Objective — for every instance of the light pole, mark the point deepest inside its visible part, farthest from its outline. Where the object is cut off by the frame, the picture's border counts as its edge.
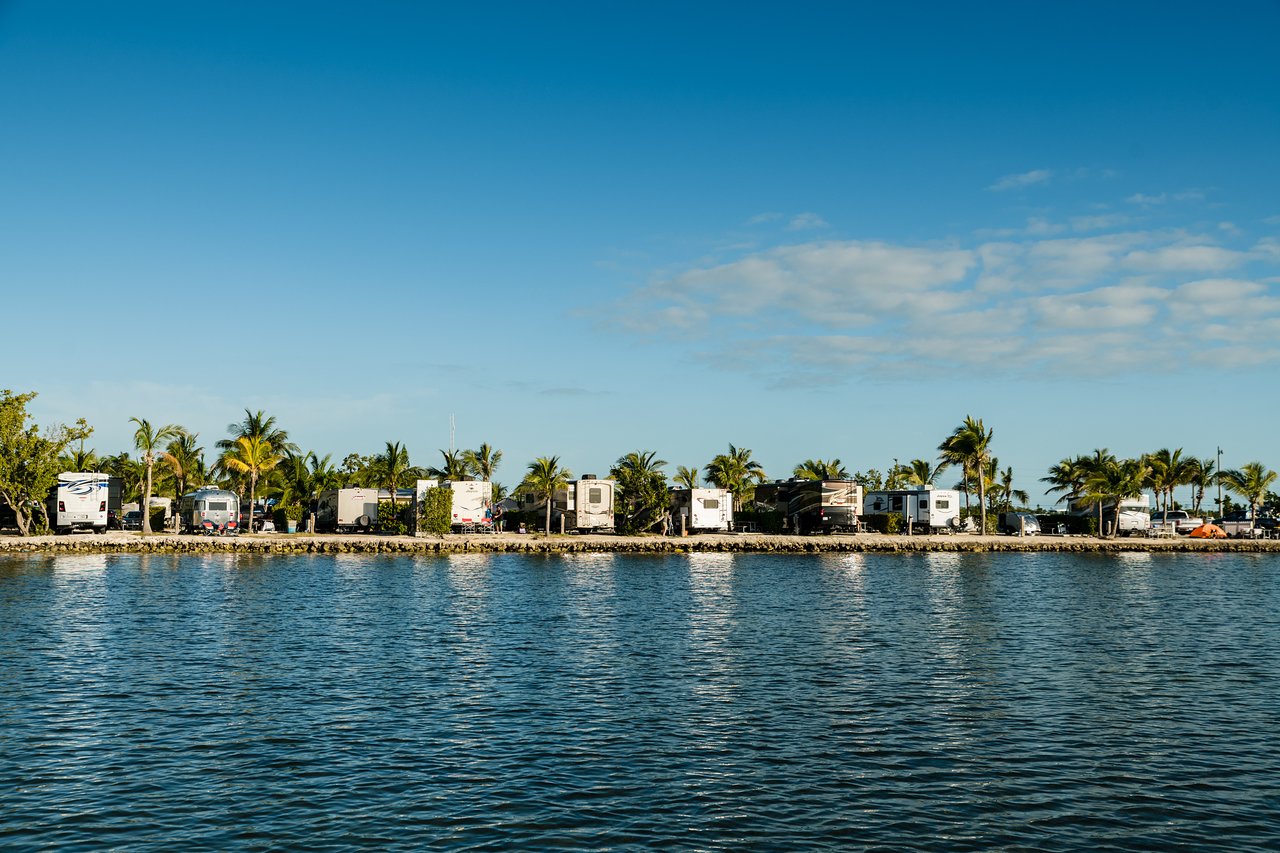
(1220, 512)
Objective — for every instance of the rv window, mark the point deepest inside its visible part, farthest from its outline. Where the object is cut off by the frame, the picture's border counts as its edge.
(217, 505)
(942, 503)
(199, 505)
(593, 496)
(895, 503)
(711, 503)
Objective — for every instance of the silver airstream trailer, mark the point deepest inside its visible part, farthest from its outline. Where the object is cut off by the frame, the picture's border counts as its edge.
(210, 511)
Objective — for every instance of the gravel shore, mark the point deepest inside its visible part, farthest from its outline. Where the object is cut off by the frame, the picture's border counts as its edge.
(269, 543)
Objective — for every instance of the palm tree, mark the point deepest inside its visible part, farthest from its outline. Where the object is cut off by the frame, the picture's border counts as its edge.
(735, 472)
(298, 484)
(393, 468)
(1112, 481)
(1204, 473)
(1010, 493)
(482, 462)
(1169, 469)
(642, 488)
(261, 426)
(1252, 482)
(454, 468)
(183, 456)
(818, 469)
(147, 438)
(252, 456)
(545, 477)
(921, 473)
(1068, 477)
(686, 478)
(80, 460)
(969, 446)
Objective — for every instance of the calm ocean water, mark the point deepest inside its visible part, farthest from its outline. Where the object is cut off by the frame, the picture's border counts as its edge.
(702, 702)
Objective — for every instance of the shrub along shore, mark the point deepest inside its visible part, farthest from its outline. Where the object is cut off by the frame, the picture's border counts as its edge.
(134, 543)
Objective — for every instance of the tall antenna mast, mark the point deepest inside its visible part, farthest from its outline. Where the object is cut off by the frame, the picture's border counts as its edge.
(451, 433)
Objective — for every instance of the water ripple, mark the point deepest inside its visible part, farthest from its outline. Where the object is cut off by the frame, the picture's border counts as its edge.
(699, 702)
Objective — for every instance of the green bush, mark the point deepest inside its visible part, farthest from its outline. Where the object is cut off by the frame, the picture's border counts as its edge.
(391, 516)
(435, 514)
(880, 522)
(284, 514)
(157, 518)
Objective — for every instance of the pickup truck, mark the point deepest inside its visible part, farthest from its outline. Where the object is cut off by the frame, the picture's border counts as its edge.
(1179, 520)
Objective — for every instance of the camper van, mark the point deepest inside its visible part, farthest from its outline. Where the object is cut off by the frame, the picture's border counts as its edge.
(813, 506)
(585, 504)
(209, 510)
(345, 510)
(702, 510)
(923, 509)
(79, 502)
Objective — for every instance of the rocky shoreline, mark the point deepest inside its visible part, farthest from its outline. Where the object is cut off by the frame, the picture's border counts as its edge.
(135, 543)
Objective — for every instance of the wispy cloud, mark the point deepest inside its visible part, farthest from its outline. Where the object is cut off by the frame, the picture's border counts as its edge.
(1021, 180)
(806, 221)
(1045, 302)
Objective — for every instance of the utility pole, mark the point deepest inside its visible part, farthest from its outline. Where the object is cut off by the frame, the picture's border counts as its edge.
(1220, 512)
(451, 435)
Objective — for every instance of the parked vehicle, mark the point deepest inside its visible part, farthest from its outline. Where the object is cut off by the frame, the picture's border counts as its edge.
(923, 510)
(1178, 520)
(132, 520)
(813, 506)
(586, 504)
(1018, 523)
(213, 511)
(347, 510)
(79, 502)
(1130, 516)
(705, 510)
(1240, 523)
(472, 503)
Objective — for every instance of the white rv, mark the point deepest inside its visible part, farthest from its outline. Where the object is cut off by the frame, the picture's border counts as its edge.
(343, 510)
(79, 501)
(472, 503)
(585, 504)
(1131, 515)
(922, 509)
(701, 510)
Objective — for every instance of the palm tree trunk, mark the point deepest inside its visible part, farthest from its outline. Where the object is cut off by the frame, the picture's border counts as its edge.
(146, 500)
(253, 486)
(548, 529)
(982, 498)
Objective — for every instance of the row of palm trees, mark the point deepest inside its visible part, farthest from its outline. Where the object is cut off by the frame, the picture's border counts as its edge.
(1102, 478)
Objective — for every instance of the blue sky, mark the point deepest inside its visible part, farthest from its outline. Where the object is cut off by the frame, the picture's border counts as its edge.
(819, 230)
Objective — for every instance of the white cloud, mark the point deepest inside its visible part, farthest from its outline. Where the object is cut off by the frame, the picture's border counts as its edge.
(805, 221)
(1021, 180)
(1031, 304)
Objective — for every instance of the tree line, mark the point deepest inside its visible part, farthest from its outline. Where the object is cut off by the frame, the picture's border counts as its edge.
(257, 459)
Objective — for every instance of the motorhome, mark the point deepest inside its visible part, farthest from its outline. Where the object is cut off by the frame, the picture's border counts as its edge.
(79, 502)
(923, 509)
(346, 510)
(585, 504)
(813, 506)
(218, 508)
(1130, 516)
(702, 510)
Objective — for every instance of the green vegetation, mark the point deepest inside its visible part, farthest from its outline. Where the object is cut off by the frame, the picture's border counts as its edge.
(29, 459)
(147, 438)
(545, 476)
(391, 517)
(642, 501)
(737, 473)
(434, 514)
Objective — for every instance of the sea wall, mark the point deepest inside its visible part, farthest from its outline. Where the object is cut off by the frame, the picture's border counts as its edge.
(133, 543)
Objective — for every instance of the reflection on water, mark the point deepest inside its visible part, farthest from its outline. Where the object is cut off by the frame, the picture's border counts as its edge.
(701, 701)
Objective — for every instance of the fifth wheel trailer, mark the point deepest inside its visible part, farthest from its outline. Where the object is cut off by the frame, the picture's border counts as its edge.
(342, 510)
(813, 506)
(702, 510)
(585, 504)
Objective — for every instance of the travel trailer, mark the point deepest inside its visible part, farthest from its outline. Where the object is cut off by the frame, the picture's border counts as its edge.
(923, 509)
(79, 502)
(701, 510)
(472, 503)
(210, 510)
(585, 504)
(813, 506)
(345, 510)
